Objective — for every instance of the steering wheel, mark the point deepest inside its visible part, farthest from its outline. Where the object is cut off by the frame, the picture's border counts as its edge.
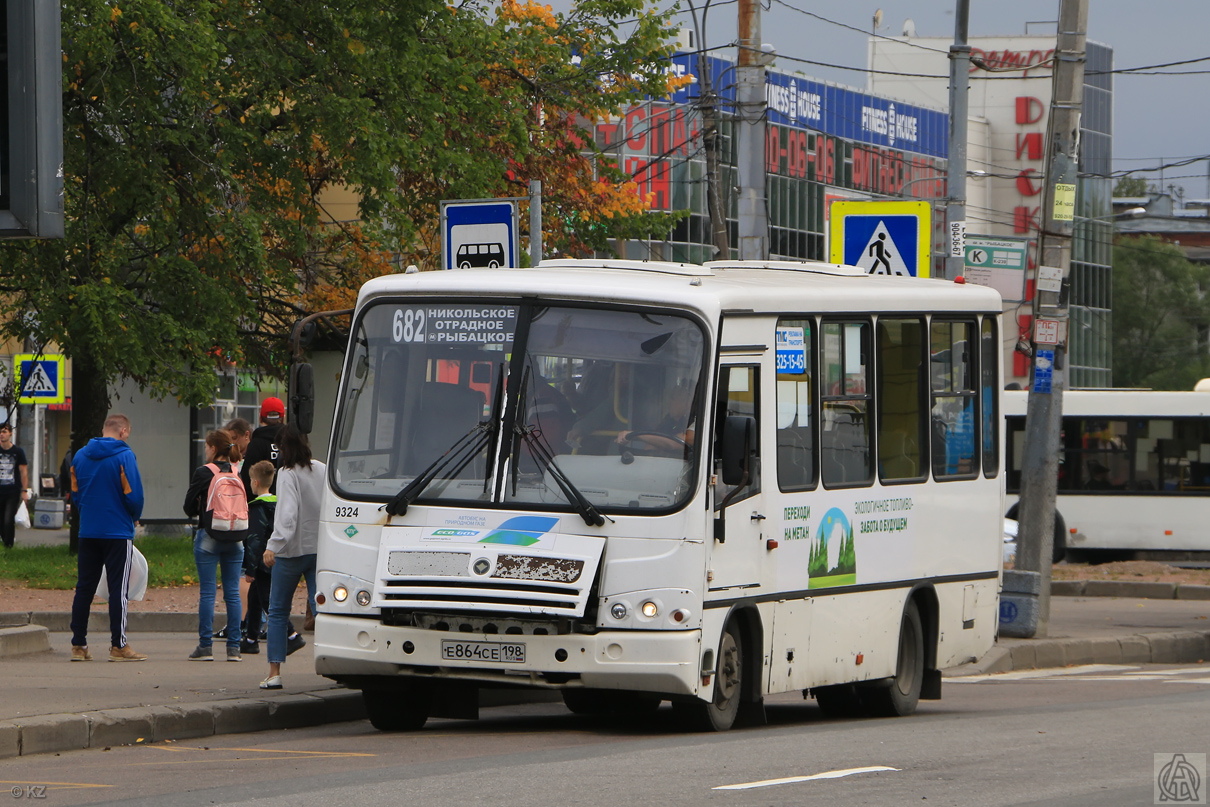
(628, 455)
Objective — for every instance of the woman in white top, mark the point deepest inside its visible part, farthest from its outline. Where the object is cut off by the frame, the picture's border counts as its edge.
(290, 554)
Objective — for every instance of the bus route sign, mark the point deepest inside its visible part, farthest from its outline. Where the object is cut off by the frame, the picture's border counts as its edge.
(479, 234)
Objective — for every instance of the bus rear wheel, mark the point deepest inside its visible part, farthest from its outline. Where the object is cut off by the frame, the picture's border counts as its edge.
(719, 713)
(899, 696)
(396, 709)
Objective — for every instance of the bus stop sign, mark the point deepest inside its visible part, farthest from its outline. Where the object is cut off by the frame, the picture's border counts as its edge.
(479, 233)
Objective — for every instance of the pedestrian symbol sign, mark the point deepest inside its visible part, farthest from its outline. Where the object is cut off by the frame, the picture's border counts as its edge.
(39, 379)
(884, 238)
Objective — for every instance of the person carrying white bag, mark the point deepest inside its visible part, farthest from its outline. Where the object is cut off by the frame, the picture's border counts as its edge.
(137, 581)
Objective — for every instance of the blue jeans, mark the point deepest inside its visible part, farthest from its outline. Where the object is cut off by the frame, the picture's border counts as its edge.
(286, 574)
(209, 554)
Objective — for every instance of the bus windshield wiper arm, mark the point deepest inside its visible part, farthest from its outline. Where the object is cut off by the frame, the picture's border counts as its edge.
(591, 515)
(461, 452)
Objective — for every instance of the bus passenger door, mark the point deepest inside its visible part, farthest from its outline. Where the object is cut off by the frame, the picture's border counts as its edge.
(739, 510)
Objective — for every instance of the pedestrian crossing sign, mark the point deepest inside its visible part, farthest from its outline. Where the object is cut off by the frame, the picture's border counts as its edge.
(884, 238)
(39, 379)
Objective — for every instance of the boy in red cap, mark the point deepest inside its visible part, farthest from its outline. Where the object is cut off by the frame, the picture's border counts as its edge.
(263, 445)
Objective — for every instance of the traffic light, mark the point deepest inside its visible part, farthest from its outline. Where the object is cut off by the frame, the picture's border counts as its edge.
(31, 120)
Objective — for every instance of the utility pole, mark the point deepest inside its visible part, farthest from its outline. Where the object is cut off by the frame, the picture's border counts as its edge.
(1044, 413)
(750, 139)
(716, 203)
(955, 209)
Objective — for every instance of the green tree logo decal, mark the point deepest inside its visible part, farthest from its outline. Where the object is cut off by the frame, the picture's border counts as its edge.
(821, 570)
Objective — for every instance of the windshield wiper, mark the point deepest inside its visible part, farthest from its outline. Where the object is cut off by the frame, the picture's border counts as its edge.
(591, 515)
(460, 454)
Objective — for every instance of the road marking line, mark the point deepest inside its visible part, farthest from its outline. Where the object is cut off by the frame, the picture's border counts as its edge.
(288, 755)
(792, 779)
(1049, 672)
(55, 785)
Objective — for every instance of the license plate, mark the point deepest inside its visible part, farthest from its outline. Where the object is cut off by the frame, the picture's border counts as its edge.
(497, 652)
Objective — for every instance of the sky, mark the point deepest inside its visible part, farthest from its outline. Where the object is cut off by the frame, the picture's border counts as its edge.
(1158, 119)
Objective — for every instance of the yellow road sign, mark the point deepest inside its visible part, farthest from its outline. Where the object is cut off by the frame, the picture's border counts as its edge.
(884, 238)
(39, 378)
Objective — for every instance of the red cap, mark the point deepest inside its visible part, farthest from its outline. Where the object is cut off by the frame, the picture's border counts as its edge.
(272, 409)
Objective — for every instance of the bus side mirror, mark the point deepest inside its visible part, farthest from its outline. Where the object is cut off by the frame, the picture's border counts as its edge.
(738, 438)
(302, 396)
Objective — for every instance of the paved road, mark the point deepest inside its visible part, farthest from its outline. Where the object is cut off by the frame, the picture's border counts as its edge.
(1082, 738)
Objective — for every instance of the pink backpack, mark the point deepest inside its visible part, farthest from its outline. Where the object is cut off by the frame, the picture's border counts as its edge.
(226, 506)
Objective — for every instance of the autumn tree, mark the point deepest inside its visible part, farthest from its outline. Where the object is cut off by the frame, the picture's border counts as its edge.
(1161, 314)
(200, 140)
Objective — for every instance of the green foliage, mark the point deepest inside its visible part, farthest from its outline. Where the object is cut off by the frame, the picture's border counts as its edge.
(169, 563)
(1130, 186)
(1161, 315)
(200, 137)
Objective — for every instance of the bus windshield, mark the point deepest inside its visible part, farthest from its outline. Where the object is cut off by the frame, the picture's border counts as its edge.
(521, 405)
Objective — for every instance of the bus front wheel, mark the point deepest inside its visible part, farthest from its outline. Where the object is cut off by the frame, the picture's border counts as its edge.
(899, 696)
(719, 713)
(395, 710)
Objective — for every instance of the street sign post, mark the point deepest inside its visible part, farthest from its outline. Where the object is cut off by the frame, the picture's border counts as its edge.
(884, 238)
(39, 379)
(479, 233)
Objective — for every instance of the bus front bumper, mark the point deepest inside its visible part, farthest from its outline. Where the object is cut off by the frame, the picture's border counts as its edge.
(667, 662)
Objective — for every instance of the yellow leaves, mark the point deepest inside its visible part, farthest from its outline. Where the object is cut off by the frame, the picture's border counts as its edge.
(114, 13)
(141, 229)
(134, 26)
(356, 47)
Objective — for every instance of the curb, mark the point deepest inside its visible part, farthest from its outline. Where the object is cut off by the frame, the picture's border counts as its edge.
(1178, 647)
(20, 640)
(98, 621)
(44, 734)
(1129, 588)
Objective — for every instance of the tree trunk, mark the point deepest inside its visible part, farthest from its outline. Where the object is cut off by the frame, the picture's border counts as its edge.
(89, 408)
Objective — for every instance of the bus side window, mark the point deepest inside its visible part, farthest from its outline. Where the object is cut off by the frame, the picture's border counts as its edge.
(796, 467)
(952, 359)
(902, 425)
(845, 405)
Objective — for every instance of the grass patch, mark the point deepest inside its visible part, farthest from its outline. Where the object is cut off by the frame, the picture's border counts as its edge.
(169, 563)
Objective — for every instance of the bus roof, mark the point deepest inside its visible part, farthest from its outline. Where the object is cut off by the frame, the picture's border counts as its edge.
(757, 286)
(1120, 403)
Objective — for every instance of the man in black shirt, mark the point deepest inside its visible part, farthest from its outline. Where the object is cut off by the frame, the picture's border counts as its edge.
(263, 445)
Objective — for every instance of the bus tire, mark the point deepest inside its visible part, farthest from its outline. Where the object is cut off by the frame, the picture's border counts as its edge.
(395, 709)
(1059, 545)
(839, 700)
(900, 695)
(719, 713)
(587, 701)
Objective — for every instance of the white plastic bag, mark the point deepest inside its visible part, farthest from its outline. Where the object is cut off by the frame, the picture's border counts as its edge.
(138, 578)
(22, 519)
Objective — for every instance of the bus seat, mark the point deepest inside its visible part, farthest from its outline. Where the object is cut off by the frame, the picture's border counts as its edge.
(445, 412)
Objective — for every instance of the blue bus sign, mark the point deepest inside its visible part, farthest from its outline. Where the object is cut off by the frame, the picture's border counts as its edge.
(479, 234)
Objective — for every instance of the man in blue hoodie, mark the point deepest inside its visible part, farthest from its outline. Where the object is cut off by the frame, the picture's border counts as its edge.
(108, 492)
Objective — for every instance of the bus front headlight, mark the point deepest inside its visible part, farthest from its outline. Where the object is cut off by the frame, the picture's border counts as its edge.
(340, 594)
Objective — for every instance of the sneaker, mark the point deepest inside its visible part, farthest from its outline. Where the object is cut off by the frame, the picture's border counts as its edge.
(233, 654)
(295, 643)
(221, 633)
(250, 647)
(264, 634)
(125, 654)
(202, 653)
(80, 653)
(272, 682)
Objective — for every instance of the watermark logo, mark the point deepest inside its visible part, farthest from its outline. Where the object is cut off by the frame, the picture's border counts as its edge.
(1180, 779)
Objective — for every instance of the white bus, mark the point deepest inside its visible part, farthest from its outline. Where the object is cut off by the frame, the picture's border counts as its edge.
(1134, 473)
(639, 482)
